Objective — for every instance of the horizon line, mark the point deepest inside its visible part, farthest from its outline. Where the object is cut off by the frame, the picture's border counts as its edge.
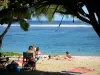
(54, 25)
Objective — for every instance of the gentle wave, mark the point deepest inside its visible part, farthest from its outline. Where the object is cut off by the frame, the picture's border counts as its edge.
(54, 25)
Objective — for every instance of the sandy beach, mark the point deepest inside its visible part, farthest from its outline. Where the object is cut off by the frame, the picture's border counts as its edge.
(54, 65)
(92, 62)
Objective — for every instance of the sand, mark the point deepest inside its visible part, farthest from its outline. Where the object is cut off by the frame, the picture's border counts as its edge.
(53, 65)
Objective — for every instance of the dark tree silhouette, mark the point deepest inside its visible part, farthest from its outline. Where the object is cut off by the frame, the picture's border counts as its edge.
(14, 11)
(21, 10)
(75, 8)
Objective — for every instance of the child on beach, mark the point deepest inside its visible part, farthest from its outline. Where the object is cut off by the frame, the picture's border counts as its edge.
(37, 53)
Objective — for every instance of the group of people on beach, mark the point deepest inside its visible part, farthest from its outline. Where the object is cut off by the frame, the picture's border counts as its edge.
(36, 55)
(36, 52)
(15, 65)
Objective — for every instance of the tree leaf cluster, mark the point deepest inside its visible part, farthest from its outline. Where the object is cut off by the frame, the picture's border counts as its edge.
(24, 25)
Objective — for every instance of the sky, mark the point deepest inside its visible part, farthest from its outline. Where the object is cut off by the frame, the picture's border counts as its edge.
(57, 17)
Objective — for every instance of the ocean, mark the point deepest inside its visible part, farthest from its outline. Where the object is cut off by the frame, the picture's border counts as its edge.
(79, 40)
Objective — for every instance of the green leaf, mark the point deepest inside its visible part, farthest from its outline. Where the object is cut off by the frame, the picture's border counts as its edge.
(4, 21)
(27, 13)
(3, 4)
(1, 22)
(24, 25)
(50, 12)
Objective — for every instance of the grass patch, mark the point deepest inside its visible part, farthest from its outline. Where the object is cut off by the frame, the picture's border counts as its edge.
(10, 53)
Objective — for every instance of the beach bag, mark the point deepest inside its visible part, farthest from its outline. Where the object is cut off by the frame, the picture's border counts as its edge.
(13, 67)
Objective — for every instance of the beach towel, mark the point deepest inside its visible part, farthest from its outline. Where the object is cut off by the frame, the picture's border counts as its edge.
(78, 70)
(70, 72)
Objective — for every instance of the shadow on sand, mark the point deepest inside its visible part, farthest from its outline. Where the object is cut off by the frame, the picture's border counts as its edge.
(5, 72)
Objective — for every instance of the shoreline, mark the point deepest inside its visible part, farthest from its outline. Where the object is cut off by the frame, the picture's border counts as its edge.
(52, 54)
(57, 57)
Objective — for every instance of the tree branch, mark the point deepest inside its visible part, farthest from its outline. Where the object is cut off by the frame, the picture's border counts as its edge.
(83, 19)
(77, 15)
(6, 30)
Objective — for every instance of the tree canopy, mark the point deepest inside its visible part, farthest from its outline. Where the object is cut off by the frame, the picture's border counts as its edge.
(75, 8)
(22, 10)
(14, 11)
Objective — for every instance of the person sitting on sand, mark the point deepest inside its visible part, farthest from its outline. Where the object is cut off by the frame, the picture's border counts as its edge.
(37, 53)
(68, 55)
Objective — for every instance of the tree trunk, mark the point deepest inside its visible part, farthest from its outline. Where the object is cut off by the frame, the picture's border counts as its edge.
(96, 27)
(0, 43)
(94, 22)
(92, 17)
(3, 34)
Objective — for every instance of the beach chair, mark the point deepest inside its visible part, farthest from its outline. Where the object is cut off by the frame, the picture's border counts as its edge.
(29, 62)
(3, 61)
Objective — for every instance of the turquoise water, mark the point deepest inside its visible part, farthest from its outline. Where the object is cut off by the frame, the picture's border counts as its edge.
(53, 40)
